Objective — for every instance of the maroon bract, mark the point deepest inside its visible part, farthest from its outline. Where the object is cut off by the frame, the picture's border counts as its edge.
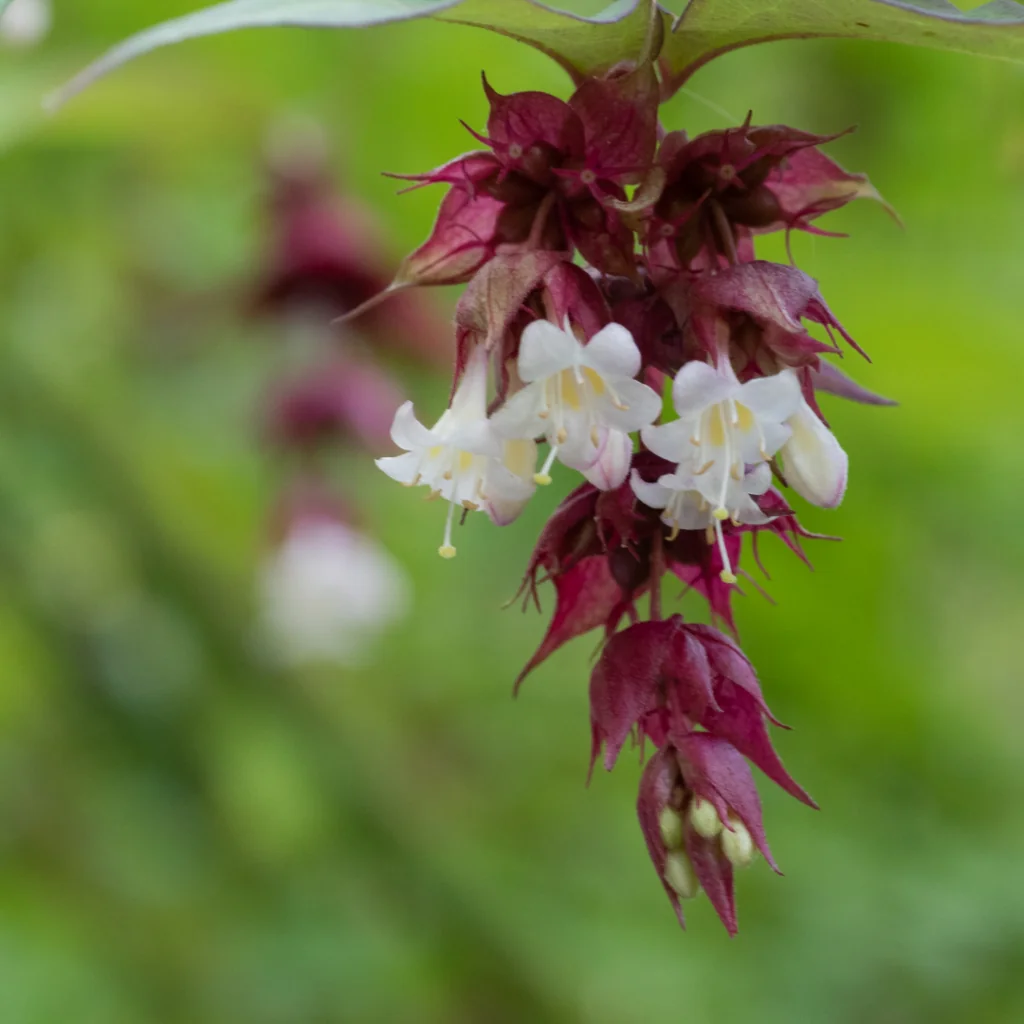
(343, 401)
(722, 187)
(326, 258)
(700, 815)
(551, 179)
(763, 306)
(663, 679)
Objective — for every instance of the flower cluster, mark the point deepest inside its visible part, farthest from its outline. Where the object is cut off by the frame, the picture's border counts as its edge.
(606, 260)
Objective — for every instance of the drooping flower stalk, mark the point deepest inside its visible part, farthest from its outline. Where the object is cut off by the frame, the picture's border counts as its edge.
(670, 290)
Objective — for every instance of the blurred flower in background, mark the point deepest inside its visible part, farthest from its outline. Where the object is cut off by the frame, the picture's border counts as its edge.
(329, 590)
(26, 22)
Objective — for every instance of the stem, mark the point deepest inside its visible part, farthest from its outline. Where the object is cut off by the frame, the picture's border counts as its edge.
(657, 571)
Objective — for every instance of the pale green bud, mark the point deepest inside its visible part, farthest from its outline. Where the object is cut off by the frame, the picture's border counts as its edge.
(738, 845)
(680, 875)
(705, 819)
(671, 828)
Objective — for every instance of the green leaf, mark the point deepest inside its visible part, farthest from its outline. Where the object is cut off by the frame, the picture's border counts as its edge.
(708, 28)
(583, 46)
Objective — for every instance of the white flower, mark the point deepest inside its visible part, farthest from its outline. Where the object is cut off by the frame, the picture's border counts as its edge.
(582, 398)
(461, 459)
(328, 592)
(814, 463)
(724, 429)
(686, 508)
(26, 22)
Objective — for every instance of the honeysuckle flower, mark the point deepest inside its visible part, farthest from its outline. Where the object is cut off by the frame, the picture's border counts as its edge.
(724, 427)
(582, 397)
(327, 593)
(686, 507)
(816, 466)
(461, 459)
(725, 434)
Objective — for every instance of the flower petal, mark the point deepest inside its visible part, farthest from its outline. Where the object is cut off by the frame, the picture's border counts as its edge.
(772, 398)
(612, 465)
(759, 479)
(612, 352)
(520, 416)
(670, 440)
(407, 431)
(815, 465)
(654, 495)
(403, 468)
(637, 406)
(698, 385)
(470, 398)
(475, 437)
(546, 349)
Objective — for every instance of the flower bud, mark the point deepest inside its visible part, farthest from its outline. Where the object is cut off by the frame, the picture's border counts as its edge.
(737, 843)
(815, 464)
(679, 874)
(705, 819)
(671, 825)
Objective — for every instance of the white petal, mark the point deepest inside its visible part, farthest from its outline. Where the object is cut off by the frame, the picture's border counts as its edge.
(475, 437)
(407, 431)
(772, 398)
(470, 399)
(775, 436)
(670, 440)
(612, 465)
(652, 495)
(520, 458)
(759, 479)
(815, 465)
(612, 352)
(506, 492)
(642, 406)
(520, 416)
(403, 468)
(698, 385)
(545, 349)
(746, 510)
(691, 514)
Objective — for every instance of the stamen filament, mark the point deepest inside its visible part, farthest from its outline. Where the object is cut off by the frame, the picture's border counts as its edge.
(726, 575)
(447, 549)
(543, 478)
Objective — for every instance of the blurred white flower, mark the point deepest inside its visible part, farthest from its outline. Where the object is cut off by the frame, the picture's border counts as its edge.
(328, 593)
(26, 22)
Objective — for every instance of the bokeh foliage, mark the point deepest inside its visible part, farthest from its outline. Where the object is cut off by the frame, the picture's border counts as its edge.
(187, 836)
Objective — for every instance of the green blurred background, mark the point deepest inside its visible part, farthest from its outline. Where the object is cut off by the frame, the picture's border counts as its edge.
(187, 836)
